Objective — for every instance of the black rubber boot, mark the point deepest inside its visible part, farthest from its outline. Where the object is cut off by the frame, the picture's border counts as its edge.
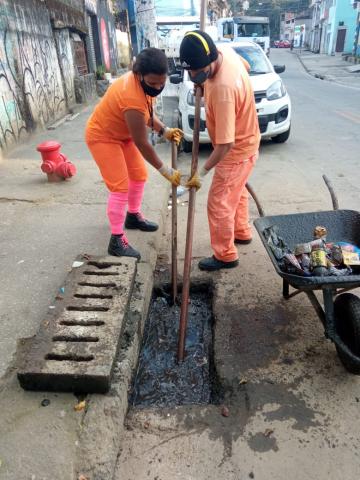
(211, 264)
(119, 247)
(136, 221)
(243, 242)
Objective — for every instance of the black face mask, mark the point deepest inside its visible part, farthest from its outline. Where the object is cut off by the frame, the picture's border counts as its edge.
(151, 91)
(200, 77)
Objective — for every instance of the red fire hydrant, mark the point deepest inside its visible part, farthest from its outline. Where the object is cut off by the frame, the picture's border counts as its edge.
(55, 164)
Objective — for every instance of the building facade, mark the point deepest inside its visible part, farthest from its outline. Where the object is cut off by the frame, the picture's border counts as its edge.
(48, 58)
(334, 26)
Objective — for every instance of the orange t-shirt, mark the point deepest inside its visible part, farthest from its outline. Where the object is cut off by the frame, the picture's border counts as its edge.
(107, 123)
(231, 115)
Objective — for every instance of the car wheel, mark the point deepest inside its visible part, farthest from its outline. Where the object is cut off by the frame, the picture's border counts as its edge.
(186, 146)
(282, 138)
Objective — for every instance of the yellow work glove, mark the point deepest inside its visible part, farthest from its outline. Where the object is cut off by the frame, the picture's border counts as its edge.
(173, 176)
(173, 135)
(196, 180)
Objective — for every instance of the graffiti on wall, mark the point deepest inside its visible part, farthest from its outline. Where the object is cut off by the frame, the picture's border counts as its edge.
(105, 44)
(91, 6)
(107, 36)
(146, 24)
(31, 91)
(65, 56)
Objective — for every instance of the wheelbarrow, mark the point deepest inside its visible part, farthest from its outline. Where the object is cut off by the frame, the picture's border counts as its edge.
(340, 314)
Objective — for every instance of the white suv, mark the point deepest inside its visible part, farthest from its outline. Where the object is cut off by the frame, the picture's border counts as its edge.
(272, 100)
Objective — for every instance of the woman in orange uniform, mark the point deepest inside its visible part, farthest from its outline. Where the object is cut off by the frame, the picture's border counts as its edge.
(117, 137)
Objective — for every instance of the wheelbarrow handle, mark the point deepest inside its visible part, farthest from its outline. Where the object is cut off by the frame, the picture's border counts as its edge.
(261, 210)
(332, 193)
(256, 200)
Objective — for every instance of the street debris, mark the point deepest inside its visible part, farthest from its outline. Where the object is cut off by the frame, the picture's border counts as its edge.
(251, 475)
(268, 432)
(314, 258)
(80, 406)
(243, 381)
(77, 264)
(45, 402)
(146, 425)
(225, 411)
(86, 256)
(20, 261)
(83, 477)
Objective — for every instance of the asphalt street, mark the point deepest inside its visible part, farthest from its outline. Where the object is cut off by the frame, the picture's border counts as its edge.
(292, 406)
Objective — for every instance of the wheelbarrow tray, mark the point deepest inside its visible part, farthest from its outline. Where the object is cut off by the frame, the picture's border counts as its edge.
(341, 225)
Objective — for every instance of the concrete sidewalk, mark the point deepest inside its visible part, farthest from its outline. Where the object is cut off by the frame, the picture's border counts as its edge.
(331, 68)
(44, 227)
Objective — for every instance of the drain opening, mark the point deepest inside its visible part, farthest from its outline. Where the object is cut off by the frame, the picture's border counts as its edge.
(67, 338)
(92, 295)
(97, 285)
(160, 381)
(84, 323)
(90, 308)
(100, 274)
(66, 357)
(101, 265)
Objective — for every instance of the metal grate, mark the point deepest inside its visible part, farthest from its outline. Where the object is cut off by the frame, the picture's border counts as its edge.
(76, 345)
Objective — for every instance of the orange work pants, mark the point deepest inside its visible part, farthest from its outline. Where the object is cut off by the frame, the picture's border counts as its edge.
(228, 209)
(119, 162)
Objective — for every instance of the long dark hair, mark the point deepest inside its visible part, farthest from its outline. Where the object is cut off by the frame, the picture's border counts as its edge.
(151, 60)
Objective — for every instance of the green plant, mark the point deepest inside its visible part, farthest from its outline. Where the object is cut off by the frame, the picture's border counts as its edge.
(100, 72)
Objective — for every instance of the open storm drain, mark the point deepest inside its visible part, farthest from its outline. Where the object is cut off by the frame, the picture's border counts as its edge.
(160, 380)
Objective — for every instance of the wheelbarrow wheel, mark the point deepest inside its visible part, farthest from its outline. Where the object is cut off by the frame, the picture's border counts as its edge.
(347, 322)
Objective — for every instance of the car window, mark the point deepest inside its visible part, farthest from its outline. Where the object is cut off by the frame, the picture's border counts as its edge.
(255, 57)
(253, 30)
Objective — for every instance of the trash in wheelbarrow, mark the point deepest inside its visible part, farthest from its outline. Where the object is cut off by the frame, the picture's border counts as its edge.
(315, 257)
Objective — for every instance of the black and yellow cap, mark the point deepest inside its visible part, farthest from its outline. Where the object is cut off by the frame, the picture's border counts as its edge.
(197, 50)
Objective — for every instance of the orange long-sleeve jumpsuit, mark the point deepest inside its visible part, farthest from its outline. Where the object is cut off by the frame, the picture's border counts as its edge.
(231, 117)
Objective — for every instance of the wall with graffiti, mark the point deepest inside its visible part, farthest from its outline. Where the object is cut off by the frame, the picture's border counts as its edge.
(107, 34)
(66, 61)
(32, 92)
(146, 24)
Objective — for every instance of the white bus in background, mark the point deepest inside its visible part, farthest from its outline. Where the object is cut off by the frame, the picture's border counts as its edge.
(255, 29)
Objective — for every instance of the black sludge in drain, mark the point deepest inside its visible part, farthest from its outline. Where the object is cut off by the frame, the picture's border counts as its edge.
(162, 382)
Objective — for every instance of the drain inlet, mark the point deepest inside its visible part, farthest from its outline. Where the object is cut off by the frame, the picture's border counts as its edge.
(65, 338)
(84, 323)
(101, 265)
(97, 285)
(91, 308)
(160, 381)
(67, 357)
(100, 274)
(93, 295)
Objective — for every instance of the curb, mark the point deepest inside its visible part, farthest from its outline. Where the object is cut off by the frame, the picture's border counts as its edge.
(100, 433)
(319, 76)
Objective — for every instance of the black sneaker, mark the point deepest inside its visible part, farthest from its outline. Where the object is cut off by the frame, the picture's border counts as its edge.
(211, 264)
(119, 247)
(136, 221)
(243, 242)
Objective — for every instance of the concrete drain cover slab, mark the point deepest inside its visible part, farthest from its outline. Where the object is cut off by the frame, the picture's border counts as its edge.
(77, 342)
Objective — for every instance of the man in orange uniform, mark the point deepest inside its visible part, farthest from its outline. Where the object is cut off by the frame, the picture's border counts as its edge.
(117, 137)
(232, 123)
